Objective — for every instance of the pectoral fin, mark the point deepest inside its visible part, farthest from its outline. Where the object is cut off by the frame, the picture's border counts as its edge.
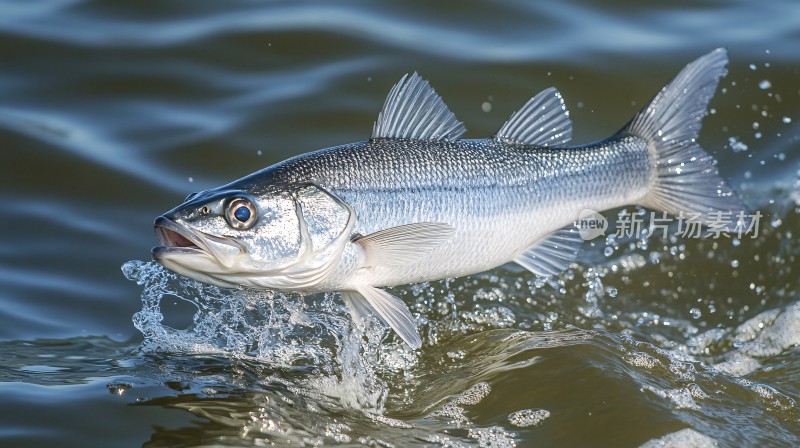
(553, 253)
(388, 307)
(403, 244)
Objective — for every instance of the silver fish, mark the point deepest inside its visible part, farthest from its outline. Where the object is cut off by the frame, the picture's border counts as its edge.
(416, 202)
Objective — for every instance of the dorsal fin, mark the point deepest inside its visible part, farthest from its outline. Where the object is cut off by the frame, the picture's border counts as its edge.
(414, 110)
(542, 121)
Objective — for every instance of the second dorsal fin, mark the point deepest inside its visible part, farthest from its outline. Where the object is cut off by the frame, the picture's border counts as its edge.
(542, 121)
(414, 110)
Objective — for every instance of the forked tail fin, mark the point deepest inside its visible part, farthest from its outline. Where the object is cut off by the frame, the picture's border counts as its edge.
(686, 176)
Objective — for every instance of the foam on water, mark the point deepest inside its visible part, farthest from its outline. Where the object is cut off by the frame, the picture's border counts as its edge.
(454, 410)
(681, 398)
(528, 417)
(685, 438)
(737, 351)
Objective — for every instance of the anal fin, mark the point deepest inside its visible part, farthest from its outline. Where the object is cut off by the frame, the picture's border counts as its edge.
(553, 253)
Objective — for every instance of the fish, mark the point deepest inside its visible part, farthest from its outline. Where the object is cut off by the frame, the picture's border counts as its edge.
(416, 202)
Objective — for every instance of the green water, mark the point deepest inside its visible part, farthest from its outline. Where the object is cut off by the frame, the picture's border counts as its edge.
(111, 113)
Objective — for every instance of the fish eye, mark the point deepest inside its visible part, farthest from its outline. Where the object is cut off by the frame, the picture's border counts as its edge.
(241, 213)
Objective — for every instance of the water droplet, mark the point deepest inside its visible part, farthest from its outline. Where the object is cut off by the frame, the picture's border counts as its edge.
(608, 251)
(191, 179)
(132, 269)
(655, 257)
(458, 354)
(486, 106)
(736, 144)
(764, 84)
(752, 66)
(786, 120)
(734, 263)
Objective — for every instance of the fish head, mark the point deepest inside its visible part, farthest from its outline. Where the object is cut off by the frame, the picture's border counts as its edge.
(286, 237)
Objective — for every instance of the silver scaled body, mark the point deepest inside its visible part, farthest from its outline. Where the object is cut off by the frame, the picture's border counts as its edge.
(417, 202)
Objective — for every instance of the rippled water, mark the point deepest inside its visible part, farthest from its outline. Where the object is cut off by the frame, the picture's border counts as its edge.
(112, 112)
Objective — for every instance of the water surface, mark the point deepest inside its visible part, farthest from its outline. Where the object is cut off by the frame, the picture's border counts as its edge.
(113, 112)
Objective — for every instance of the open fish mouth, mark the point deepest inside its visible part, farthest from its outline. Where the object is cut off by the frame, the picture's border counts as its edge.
(175, 238)
(178, 241)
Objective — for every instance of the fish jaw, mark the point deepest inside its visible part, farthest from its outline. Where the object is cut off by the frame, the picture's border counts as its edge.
(200, 257)
(225, 262)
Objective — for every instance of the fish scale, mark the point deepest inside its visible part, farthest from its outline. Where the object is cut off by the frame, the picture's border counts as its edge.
(417, 202)
(479, 186)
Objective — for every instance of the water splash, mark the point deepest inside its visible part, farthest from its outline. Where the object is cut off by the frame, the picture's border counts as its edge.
(278, 331)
